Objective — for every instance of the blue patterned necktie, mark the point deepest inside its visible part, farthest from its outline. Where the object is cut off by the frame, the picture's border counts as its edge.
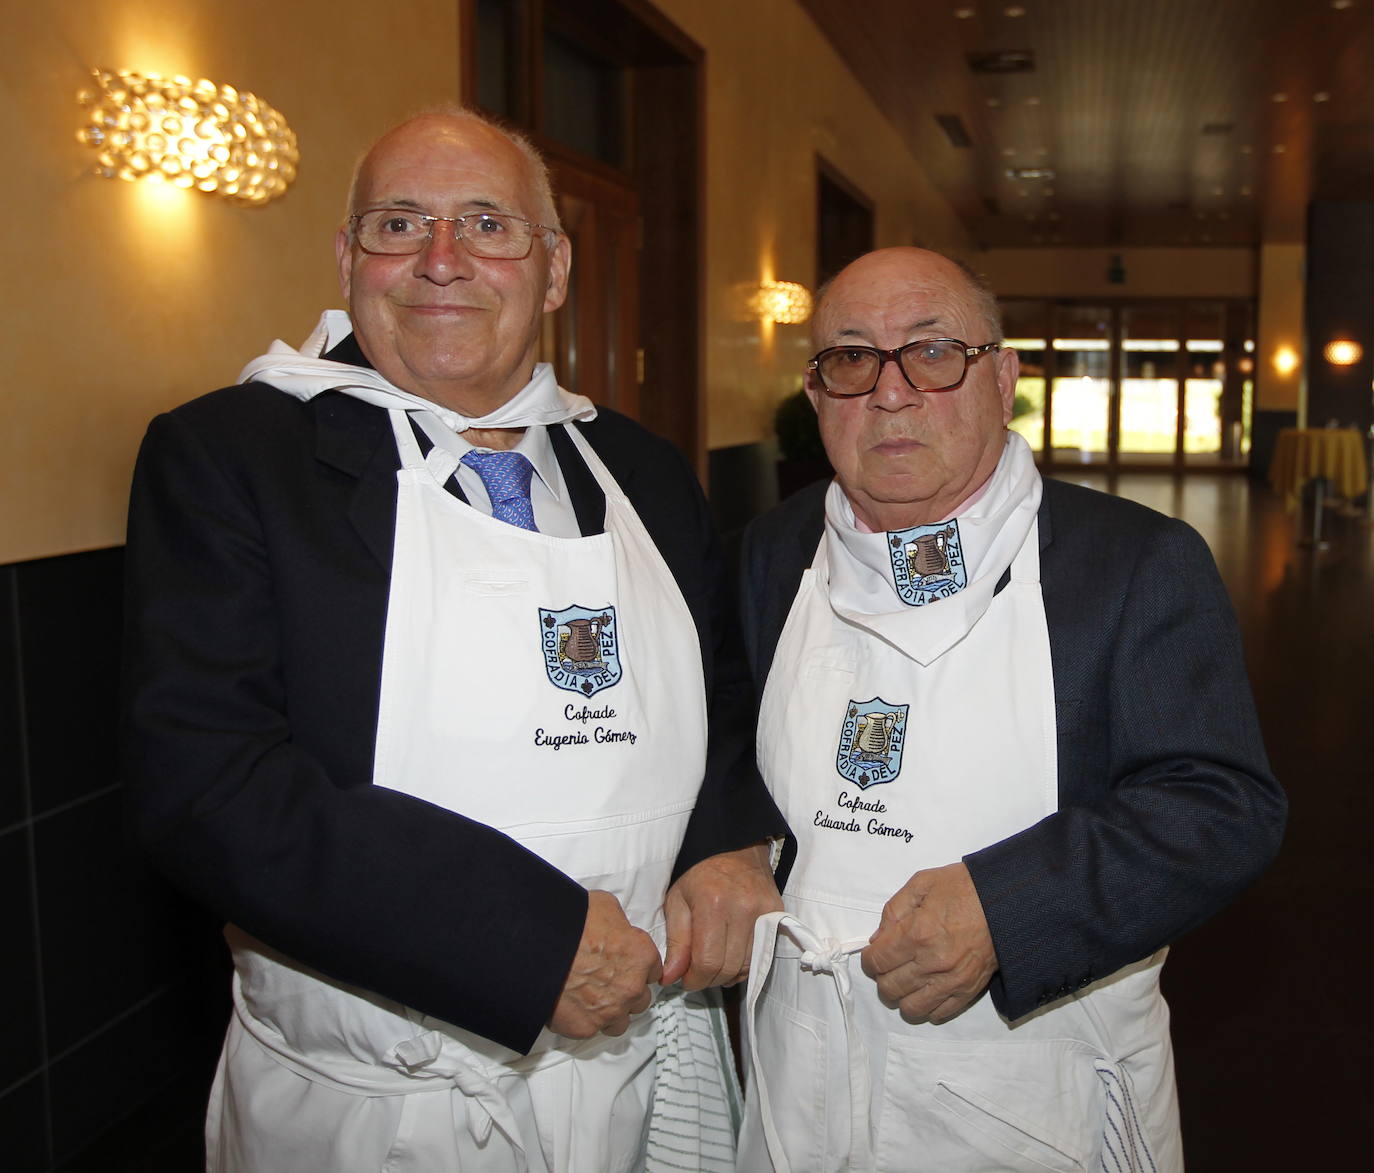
(506, 477)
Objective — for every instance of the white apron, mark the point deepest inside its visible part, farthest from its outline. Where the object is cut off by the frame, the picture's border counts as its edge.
(839, 1081)
(551, 688)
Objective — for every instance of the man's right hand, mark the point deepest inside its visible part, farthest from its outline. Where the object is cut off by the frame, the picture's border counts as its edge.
(610, 975)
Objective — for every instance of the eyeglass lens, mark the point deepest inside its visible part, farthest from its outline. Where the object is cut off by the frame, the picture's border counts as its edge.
(398, 231)
(931, 365)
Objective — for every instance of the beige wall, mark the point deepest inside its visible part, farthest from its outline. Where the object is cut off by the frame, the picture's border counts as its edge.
(776, 96)
(1150, 272)
(118, 303)
(1282, 286)
(123, 301)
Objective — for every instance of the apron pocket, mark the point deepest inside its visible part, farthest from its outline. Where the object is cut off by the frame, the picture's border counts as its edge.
(792, 1046)
(990, 1107)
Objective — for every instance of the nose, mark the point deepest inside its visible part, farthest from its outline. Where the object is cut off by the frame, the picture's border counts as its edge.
(893, 392)
(443, 258)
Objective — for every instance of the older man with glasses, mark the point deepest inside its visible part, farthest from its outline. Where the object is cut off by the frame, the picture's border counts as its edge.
(430, 697)
(1009, 722)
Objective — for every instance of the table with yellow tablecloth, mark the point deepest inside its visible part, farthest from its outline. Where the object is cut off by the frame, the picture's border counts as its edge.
(1335, 454)
(1329, 456)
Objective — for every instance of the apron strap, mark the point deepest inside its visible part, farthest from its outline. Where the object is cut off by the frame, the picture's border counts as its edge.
(821, 955)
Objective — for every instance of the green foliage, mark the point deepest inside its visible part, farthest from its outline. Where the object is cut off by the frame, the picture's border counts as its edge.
(799, 435)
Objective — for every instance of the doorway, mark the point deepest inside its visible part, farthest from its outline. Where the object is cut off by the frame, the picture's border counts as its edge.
(610, 93)
(1158, 384)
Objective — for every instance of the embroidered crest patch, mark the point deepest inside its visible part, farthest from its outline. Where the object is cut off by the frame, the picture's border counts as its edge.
(581, 650)
(927, 562)
(871, 741)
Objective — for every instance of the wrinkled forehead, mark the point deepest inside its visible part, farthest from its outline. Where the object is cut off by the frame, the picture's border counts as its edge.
(442, 161)
(890, 309)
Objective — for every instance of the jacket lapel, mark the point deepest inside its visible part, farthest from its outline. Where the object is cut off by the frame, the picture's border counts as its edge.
(355, 439)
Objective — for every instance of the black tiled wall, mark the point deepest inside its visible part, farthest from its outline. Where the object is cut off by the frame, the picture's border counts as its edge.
(115, 990)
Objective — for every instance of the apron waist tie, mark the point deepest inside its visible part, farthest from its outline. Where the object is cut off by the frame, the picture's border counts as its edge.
(477, 1103)
(820, 955)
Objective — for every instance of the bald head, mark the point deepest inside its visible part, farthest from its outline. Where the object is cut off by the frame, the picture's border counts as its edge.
(458, 119)
(906, 457)
(944, 268)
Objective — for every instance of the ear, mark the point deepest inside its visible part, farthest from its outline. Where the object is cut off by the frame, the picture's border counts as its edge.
(560, 265)
(1008, 371)
(343, 252)
(812, 386)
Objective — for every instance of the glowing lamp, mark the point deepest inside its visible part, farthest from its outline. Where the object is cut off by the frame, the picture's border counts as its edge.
(785, 302)
(1285, 360)
(1342, 352)
(191, 134)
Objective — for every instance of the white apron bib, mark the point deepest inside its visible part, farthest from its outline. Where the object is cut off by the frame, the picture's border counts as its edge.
(551, 688)
(886, 760)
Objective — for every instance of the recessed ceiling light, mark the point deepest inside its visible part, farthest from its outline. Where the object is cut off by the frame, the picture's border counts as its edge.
(1339, 5)
(1042, 150)
(1013, 10)
(965, 13)
(1218, 191)
(1279, 97)
(1321, 96)
(1279, 148)
(994, 102)
(1247, 149)
(1009, 151)
(1032, 101)
(1245, 191)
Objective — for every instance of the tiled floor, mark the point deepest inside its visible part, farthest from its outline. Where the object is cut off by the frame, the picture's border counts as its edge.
(1271, 1032)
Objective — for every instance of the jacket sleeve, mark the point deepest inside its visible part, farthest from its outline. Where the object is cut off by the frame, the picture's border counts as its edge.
(1168, 808)
(237, 805)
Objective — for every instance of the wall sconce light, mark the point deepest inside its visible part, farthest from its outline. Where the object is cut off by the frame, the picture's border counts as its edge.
(193, 134)
(1342, 352)
(785, 302)
(1285, 360)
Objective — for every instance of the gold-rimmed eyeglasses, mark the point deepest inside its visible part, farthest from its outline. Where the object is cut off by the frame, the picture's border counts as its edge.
(398, 232)
(928, 364)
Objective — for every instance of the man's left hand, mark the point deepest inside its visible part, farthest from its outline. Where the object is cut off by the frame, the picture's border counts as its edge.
(710, 914)
(932, 954)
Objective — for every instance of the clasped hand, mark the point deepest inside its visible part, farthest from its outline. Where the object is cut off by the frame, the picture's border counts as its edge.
(709, 912)
(932, 955)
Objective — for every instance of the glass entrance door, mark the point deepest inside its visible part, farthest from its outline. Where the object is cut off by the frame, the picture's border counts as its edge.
(1159, 384)
(1079, 409)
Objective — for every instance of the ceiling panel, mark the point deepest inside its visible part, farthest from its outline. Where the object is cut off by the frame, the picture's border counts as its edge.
(1164, 122)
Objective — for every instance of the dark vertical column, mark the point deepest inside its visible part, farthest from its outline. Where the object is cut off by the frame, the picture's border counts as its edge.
(1340, 304)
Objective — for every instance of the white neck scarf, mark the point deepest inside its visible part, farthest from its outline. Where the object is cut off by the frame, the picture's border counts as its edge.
(304, 374)
(863, 585)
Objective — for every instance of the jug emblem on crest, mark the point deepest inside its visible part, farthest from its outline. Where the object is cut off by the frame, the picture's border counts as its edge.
(581, 649)
(872, 737)
(927, 563)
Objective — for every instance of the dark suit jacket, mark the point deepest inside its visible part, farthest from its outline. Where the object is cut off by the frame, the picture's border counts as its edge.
(1167, 807)
(259, 553)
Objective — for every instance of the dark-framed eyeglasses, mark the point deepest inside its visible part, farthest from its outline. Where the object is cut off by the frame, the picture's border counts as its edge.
(398, 232)
(928, 364)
